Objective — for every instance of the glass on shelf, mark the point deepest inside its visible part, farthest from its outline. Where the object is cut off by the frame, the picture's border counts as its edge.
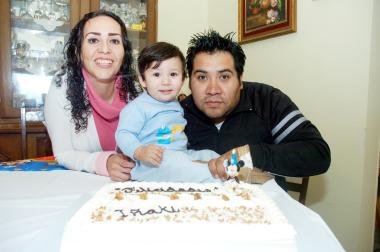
(132, 12)
(39, 30)
(40, 11)
(24, 10)
(21, 51)
(62, 12)
(45, 14)
(143, 14)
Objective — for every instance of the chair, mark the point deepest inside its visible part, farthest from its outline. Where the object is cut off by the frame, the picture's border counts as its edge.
(29, 113)
(377, 219)
(23, 132)
(300, 188)
(4, 157)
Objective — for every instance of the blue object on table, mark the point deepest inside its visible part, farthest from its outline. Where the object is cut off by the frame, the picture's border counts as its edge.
(31, 165)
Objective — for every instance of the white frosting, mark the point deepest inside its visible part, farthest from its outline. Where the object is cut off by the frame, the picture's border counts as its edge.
(192, 216)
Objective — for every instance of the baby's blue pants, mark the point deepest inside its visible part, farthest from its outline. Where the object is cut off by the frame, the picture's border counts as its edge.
(177, 166)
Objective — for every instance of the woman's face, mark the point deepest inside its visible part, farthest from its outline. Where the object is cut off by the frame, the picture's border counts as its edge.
(102, 49)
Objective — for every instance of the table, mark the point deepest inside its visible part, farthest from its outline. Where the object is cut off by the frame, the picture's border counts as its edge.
(35, 206)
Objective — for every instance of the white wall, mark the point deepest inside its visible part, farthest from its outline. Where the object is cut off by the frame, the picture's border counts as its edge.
(371, 144)
(329, 67)
(179, 20)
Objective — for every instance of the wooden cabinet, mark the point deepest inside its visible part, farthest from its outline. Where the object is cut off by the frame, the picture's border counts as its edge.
(33, 33)
(37, 142)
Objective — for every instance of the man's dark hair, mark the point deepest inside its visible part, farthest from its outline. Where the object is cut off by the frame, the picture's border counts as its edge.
(210, 42)
(156, 53)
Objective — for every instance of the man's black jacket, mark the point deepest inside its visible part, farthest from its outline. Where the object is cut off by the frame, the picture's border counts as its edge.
(282, 141)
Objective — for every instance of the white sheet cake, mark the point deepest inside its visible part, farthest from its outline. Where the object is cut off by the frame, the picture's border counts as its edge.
(179, 217)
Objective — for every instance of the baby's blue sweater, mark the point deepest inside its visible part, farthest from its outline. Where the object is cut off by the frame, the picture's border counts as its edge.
(146, 120)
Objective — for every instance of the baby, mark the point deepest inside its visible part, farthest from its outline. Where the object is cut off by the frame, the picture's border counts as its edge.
(151, 127)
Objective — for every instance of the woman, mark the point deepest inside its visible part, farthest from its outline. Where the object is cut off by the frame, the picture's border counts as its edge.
(83, 103)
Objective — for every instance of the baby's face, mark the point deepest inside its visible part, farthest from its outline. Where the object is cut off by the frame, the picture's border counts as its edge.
(164, 82)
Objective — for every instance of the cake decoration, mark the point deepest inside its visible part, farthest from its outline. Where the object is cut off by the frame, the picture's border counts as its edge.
(183, 202)
(148, 215)
(232, 167)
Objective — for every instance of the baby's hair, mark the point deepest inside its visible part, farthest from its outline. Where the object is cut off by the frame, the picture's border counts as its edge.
(156, 53)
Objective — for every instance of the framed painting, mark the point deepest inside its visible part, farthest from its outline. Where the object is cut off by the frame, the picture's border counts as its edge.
(262, 19)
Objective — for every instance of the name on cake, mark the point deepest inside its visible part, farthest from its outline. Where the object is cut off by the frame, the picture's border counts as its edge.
(140, 212)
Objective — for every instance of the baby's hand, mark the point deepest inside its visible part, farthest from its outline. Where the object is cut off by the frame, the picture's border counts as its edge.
(149, 153)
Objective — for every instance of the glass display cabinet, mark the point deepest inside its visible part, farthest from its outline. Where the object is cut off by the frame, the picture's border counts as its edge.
(39, 30)
(34, 33)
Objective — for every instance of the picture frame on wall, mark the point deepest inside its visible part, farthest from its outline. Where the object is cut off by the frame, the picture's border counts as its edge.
(262, 19)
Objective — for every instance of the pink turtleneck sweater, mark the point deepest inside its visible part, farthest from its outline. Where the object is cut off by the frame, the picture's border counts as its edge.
(106, 117)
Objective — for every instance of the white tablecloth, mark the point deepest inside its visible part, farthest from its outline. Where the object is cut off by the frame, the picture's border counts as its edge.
(34, 207)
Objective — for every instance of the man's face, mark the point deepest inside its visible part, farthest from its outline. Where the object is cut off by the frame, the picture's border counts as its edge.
(215, 85)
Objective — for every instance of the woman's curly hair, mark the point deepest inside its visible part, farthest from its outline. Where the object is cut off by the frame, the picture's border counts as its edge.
(72, 68)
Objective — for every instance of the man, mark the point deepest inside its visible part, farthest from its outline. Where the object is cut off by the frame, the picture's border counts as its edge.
(225, 112)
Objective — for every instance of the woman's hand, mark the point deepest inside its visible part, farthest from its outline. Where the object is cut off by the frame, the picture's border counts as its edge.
(150, 153)
(119, 167)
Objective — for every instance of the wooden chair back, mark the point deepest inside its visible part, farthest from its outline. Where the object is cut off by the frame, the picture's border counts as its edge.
(28, 114)
(23, 132)
(300, 188)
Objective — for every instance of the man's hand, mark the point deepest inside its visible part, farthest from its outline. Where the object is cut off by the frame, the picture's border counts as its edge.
(119, 167)
(217, 169)
(149, 153)
(216, 166)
